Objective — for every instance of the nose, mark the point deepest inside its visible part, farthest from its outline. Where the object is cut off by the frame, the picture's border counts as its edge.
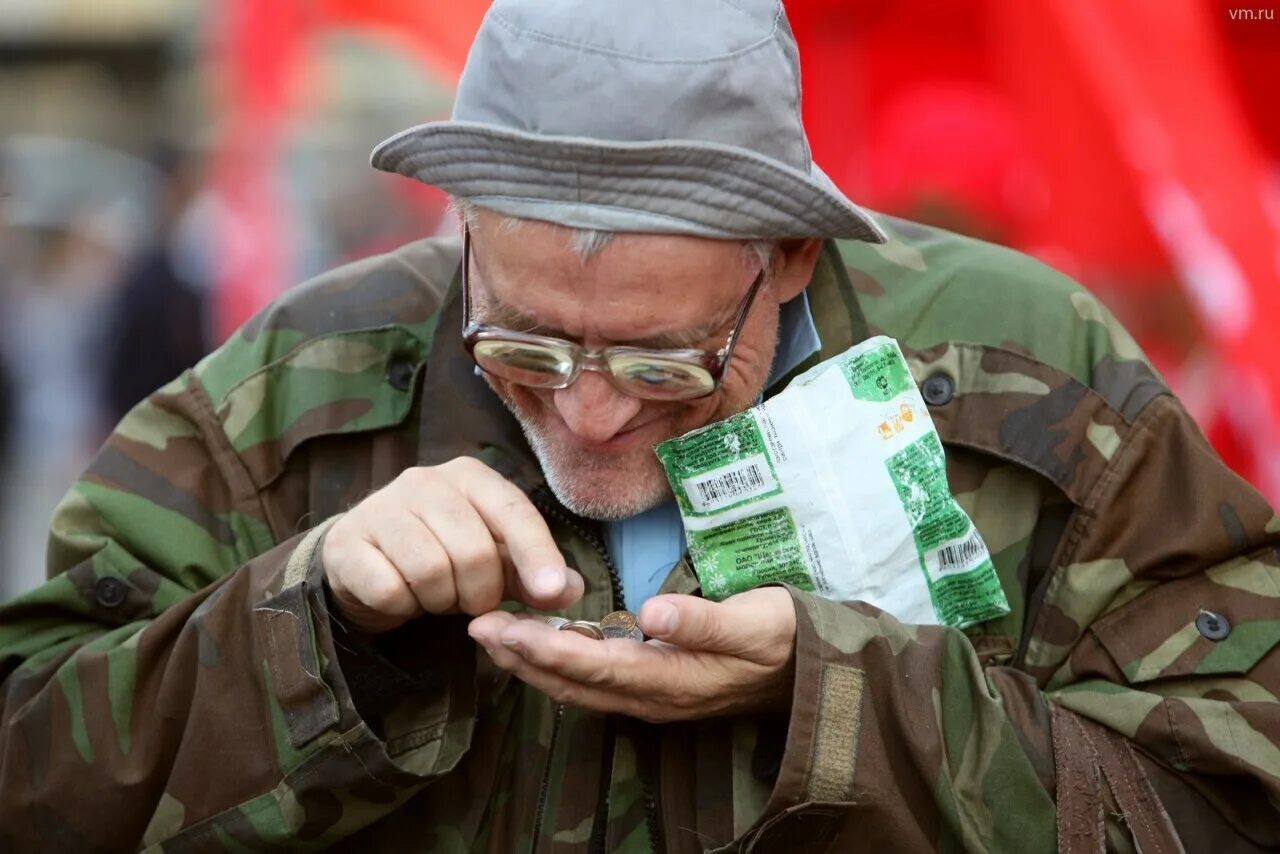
(593, 409)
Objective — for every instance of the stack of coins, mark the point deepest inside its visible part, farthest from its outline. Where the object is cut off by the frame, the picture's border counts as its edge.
(586, 628)
(619, 624)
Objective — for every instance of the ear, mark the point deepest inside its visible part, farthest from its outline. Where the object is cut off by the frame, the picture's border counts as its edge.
(793, 264)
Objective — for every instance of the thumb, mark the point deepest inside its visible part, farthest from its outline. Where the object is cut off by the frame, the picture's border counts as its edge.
(695, 624)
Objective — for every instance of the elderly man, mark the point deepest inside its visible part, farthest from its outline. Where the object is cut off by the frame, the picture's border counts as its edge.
(292, 600)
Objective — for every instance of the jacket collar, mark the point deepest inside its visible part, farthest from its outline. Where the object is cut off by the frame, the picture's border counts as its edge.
(461, 416)
(836, 314)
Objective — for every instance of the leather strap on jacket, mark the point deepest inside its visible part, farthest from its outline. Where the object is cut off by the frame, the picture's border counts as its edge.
(1080, 824)
(1086, 754)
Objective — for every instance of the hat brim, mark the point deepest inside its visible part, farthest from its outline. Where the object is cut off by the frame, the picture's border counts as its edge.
(669, 186)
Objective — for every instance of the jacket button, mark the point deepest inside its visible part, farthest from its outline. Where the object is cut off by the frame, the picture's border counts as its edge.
(1213, 626)
(400, 374)
(110, 592)
(938, 390)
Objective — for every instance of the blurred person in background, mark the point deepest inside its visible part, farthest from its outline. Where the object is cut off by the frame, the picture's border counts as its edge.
(6, 409)
(6, 382)
(278, 621)
(156, 325)
(75, 214)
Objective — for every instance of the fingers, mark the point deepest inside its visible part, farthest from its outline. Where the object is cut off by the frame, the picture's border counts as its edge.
(454, 537)
(650, 679)
(491, 630)
(758, 625)
(487, 629)
(373, 596)
(618, 665)
(693, 623)
(515, 589)
(411, 552)
(706, 658)
(470, 555)
(516, 523)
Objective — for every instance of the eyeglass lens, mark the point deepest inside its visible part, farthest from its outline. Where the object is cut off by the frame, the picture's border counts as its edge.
(649, 375)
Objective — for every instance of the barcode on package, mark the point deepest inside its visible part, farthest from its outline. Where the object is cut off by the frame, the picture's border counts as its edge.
(738, 481)
(959, 555)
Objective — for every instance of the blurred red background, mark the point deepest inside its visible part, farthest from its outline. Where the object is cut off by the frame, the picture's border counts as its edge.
(1132, 145)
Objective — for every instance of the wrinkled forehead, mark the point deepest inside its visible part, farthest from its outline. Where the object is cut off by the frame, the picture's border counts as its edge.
(635, 284)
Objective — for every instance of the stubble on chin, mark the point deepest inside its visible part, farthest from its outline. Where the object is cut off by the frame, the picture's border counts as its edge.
(605, 487)
(597, 486)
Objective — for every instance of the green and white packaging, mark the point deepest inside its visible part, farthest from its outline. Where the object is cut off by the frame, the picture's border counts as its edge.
(837, 485)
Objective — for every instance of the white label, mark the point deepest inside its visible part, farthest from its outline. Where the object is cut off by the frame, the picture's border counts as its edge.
(957, 556)
(745, 478)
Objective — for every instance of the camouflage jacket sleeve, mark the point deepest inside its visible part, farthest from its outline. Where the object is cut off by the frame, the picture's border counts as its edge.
(176, 681)
(916, 742)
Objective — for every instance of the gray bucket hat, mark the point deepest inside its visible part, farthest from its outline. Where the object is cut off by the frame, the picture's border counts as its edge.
(669, 116)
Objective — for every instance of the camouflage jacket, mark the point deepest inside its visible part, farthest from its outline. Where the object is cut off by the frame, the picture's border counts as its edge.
(178, 683)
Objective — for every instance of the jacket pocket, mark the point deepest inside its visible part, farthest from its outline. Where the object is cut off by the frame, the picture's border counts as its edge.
(1218, 623)
(342, 383)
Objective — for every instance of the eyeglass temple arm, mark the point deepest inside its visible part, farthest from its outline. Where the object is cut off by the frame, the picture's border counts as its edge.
(727, 350)
(466, 262)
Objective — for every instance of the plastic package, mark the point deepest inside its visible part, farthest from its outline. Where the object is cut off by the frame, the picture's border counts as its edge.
(836, 485)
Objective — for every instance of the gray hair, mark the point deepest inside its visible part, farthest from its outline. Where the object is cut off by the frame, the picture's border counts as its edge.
(587, 242)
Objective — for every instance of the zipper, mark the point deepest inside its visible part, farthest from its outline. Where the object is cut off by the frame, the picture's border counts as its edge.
(546, 778)
(545, 502)
(598, 842)
(649, 789)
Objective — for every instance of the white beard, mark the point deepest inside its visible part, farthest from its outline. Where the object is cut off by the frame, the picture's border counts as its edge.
(627, 495)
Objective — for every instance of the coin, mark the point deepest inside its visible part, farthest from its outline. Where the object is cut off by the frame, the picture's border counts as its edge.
(556, 622)
(624, 620)
(586, 628)
(621, 624)
(619, 633)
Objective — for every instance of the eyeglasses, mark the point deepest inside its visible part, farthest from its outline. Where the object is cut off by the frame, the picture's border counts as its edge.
(545, 362)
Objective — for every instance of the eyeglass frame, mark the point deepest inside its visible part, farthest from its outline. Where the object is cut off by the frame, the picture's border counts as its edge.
(714, 363)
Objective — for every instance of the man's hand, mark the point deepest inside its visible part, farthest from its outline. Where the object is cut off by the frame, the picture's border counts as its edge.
(438, 540)
(708, 658)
